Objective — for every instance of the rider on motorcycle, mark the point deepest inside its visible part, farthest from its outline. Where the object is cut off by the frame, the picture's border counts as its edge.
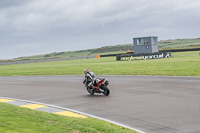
(89, 78)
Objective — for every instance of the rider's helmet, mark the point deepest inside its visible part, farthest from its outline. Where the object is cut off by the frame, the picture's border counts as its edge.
(86, 71)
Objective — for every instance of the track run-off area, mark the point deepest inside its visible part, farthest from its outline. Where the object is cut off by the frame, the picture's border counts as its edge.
(153, 104)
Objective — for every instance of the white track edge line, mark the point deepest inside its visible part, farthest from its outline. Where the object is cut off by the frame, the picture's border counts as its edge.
(75, 111)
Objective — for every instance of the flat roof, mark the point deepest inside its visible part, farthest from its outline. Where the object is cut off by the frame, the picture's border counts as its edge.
(145, 37)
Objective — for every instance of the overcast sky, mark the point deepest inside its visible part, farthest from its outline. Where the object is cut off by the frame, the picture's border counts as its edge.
(30, 27)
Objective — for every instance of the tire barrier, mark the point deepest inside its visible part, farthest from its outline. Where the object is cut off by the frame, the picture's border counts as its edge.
(171, 50)
(181, 50)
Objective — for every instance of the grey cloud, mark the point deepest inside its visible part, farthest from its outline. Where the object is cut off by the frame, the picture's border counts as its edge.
(77, 24)
(12, 3)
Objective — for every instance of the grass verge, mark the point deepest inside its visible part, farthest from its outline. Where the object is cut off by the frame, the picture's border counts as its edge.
(182, 64)
(14, 119)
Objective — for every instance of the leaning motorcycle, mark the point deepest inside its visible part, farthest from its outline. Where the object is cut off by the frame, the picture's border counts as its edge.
(99, 86)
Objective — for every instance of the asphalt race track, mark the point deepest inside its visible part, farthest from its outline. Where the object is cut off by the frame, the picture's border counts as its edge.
(154, 104)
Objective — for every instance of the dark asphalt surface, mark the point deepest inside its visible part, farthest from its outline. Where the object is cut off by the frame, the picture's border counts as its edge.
(154, 104)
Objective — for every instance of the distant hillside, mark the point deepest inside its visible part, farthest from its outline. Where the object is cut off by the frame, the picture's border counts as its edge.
(166, 44)
(179, 43)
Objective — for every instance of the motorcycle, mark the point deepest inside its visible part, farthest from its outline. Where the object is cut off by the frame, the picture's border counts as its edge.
(99, 86)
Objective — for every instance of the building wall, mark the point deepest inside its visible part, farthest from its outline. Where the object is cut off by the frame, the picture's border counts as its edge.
(145, 44)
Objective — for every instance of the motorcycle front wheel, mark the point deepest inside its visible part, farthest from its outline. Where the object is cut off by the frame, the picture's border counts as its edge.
(106, 90)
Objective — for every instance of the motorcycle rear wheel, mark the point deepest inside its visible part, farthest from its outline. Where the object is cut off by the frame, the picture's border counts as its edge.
(91, 91)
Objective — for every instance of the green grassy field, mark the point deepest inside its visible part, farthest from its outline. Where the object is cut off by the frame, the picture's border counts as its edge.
(14, 119)
(182, 64)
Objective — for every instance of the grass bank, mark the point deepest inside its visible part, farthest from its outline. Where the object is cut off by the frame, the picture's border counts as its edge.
(14, 119)
(182, 64)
